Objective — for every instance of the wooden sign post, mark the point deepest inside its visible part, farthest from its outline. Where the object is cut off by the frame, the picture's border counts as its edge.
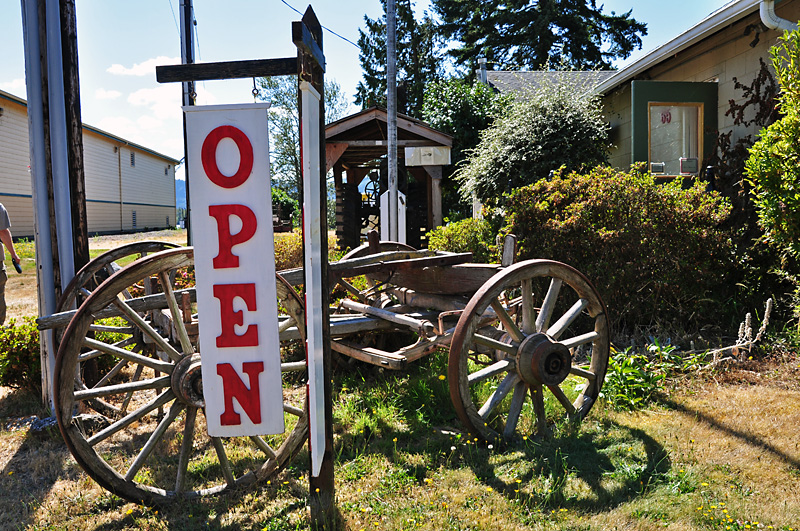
(309, 66)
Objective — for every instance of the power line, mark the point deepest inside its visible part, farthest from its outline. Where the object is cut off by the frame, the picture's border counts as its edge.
(173, 16)
(323, 27)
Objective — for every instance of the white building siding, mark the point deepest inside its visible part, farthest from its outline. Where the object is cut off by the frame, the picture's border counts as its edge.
(113, 188)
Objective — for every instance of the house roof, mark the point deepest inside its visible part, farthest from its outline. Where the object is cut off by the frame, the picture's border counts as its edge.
(516, 82)
(717, 20)
(364, 135)
(100, 132)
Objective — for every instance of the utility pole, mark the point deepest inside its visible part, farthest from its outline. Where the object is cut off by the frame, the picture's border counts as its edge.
(391, 104)
(187, 57)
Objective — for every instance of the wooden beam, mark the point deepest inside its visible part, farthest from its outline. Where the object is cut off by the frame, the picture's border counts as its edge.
(286, 66)
(303, 40)
(385, 143)
(333, 151)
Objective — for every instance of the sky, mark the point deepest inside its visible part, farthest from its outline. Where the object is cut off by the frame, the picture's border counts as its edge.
(121, 42)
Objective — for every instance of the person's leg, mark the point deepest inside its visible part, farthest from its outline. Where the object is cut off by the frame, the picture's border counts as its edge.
(3, 278)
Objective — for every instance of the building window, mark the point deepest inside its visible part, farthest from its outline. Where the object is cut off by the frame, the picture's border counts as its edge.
(133, 158)
(166, 170)
(133, 218)
(675, 139)
(168, 221)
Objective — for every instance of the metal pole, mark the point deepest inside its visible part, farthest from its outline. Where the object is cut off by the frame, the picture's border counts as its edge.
(187, 57)
(391, 104)
(41, 218)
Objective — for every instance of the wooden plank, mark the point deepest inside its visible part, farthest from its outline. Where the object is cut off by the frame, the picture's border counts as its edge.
(460, 279)
(302, 38)
(370, 355)
(286, 66)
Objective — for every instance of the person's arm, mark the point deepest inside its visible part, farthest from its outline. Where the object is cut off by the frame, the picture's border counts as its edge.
(5, 237)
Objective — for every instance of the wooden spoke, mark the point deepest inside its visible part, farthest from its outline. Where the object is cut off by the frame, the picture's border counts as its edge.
(293, 366)
(223, 460)
(263, 446)
(353, 290)
(112, 329)
(492, 370)
(128, 355)
(582, 372)
(132, 417)
(177, 314)
(136, 375)
(499, 394)
(147, 329)
(109, 390)
(537, 396)
(186, 448)
(515, 409)
(562, 398)
(580, 340)
(528, 311)
(495, 344)
(156, 436)
(292, 410)
(94, 353)
(546, 313)
(563, 323)
(286, 324)
(508, 322)
(113, 372)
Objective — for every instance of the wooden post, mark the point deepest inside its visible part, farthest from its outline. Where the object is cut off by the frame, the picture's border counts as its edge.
(307, 35)
(72, 101)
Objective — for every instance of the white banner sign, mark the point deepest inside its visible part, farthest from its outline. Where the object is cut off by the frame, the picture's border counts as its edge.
(231, 223)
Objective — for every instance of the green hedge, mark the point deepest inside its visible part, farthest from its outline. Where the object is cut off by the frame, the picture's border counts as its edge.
(20, 364)
(466, 236)
(656, 253)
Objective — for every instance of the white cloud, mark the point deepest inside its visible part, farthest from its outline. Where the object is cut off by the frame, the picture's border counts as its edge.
(103, 94)
(14, 84)
(144, 68)
(164, 101)
(149, 123)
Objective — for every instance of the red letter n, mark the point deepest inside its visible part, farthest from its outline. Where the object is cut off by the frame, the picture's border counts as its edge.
(226, 293)
(222, 213)
(233, 387)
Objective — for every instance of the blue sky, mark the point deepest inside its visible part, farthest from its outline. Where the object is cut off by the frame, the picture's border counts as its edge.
(120, 42)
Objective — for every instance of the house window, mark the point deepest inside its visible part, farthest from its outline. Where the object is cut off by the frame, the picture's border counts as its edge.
(133, 158)
(675, 139)
(133, 219)
(166, 170)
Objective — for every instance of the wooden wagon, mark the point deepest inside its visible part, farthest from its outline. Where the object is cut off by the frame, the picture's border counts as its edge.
(128, 387)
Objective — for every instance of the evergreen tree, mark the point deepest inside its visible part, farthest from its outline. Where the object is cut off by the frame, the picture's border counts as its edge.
(418, 59)
(520, 34)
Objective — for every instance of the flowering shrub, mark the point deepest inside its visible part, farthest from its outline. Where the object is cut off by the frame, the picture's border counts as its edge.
(650, 250)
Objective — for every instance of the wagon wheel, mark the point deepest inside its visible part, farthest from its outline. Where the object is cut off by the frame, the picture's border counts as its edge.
(537, 325)
(103, 266)
(155, 449)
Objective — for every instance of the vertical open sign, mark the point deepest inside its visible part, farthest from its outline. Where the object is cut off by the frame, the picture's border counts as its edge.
(231, 205)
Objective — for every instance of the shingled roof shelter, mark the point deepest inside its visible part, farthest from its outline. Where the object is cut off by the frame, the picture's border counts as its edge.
(356, 150)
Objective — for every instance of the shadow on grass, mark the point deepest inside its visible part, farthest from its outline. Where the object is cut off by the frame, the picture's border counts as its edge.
(28, 476)
(745, 437)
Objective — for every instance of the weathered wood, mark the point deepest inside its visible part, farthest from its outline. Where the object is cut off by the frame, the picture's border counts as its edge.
(286, 66)
(302, 38)
(459, 279)
(141, 304)
(72, 105)
(370, 355)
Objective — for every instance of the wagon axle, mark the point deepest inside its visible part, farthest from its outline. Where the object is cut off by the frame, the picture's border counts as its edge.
(541, 360)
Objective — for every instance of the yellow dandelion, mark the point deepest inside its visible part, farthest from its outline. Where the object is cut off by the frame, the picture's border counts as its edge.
(130, 511)
(11, 472)
(394, 440)
(317, 490)
(519, 481)
(442, 377)
(704, 484)
(489, 489)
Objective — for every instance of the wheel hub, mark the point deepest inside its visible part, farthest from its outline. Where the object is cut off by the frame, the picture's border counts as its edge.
(541, 360)
(187, 381)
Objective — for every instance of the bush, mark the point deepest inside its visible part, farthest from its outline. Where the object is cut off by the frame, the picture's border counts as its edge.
(466, 236)
(772, 168)
(20, 362)
(289, 250)
(651, 250)
(541, 132)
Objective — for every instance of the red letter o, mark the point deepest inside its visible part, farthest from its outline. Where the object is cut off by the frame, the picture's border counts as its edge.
(209, 156)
